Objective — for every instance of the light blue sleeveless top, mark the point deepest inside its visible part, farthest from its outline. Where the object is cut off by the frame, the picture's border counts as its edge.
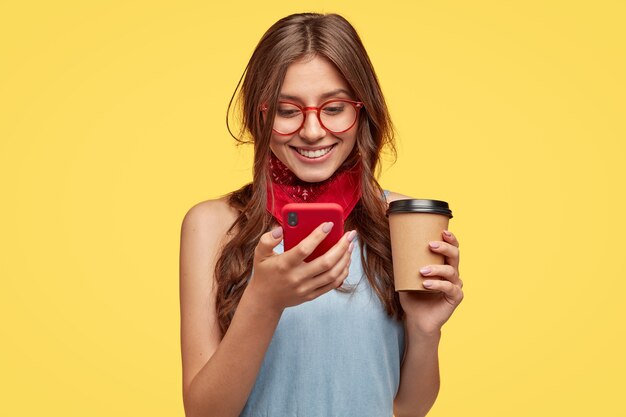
(335, 356)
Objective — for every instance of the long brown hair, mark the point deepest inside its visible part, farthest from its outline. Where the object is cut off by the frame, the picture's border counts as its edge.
(291, 38)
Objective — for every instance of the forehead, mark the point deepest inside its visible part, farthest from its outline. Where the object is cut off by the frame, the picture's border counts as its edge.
(310, 78)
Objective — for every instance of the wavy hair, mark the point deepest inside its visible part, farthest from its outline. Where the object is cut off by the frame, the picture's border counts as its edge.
(292, 38)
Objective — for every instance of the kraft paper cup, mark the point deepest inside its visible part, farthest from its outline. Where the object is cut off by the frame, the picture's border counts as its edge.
(412, 224)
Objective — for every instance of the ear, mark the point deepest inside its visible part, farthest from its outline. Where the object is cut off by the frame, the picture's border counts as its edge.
(263, 108)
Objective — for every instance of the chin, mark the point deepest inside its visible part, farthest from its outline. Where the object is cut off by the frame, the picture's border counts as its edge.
(313, 177)
(309, 175)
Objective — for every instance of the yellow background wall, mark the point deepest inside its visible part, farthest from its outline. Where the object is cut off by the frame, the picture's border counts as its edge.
(112, 127)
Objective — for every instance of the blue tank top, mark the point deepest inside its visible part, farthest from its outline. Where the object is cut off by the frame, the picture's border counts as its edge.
(337, 355)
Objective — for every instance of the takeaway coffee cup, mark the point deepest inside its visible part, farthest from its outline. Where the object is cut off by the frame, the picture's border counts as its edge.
(412, 224)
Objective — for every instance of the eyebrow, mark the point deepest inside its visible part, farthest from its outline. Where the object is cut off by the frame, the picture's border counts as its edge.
(326, 95)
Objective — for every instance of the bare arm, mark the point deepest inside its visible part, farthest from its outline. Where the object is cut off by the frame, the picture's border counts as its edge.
(219, 372)
(419, 376)
(223, 385)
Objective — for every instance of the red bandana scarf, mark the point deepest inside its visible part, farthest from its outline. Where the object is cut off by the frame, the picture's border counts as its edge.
(343, 188)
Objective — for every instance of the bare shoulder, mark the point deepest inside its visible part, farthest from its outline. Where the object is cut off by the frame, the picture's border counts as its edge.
(203, 234)
(210, 215)
(203, 231)
(393, 196)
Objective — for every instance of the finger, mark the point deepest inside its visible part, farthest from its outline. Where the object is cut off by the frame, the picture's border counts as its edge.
(333, 275)
(302, 250)
(446, 272)
(449, 237)
(331, 257)
(319, 291)
(450, 252)
(267, 243)
(329, 280)
(453, 293)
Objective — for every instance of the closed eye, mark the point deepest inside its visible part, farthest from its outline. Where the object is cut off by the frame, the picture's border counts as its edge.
(288, 113)
(333, 110)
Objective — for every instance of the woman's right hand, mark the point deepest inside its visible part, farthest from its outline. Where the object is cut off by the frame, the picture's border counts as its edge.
(285, 280)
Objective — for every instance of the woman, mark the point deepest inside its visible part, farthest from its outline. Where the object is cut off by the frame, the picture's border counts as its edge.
(264, 333)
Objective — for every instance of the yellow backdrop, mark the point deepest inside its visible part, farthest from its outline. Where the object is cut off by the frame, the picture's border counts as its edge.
(112, 127)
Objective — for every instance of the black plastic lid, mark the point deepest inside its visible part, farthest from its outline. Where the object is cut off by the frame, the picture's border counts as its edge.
(419, 206)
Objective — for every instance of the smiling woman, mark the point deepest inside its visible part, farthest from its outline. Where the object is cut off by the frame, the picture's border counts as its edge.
(265, 333)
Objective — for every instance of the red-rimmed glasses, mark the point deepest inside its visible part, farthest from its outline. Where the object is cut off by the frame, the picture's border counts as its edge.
(335, 116)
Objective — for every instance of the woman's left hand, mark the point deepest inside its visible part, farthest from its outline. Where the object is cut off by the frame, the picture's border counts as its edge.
(427, 312)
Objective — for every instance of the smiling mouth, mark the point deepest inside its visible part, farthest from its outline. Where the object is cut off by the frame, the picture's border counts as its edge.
(314, 154)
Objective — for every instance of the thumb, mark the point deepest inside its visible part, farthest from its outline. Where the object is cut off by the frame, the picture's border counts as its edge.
(269, 240)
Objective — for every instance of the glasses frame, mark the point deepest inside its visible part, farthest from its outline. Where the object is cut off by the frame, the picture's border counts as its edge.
(358, 105)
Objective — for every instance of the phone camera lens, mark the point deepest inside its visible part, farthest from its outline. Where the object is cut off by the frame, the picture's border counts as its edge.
(292, 218)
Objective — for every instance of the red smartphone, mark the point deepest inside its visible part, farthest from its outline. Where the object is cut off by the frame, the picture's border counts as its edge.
(300, 219)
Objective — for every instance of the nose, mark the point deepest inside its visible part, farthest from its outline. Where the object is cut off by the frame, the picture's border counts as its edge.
(311, 130)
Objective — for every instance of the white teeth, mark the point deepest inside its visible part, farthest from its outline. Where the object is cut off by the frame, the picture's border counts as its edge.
(314, 154)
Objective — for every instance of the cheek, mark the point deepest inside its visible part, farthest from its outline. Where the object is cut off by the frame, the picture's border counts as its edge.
(279, 143)
(350, 147)
(350, 142)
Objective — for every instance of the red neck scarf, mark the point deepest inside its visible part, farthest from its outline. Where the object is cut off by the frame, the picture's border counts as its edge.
(343, 188)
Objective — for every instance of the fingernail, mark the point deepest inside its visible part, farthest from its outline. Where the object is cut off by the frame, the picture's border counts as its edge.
(445, 232)
(326, 228)
(425, 270)
(351, 247)
(351, 235)
(434, 245)
(278, 232)
(428, 283)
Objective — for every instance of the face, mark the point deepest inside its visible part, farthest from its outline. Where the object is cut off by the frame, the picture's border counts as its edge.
(311, 82)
